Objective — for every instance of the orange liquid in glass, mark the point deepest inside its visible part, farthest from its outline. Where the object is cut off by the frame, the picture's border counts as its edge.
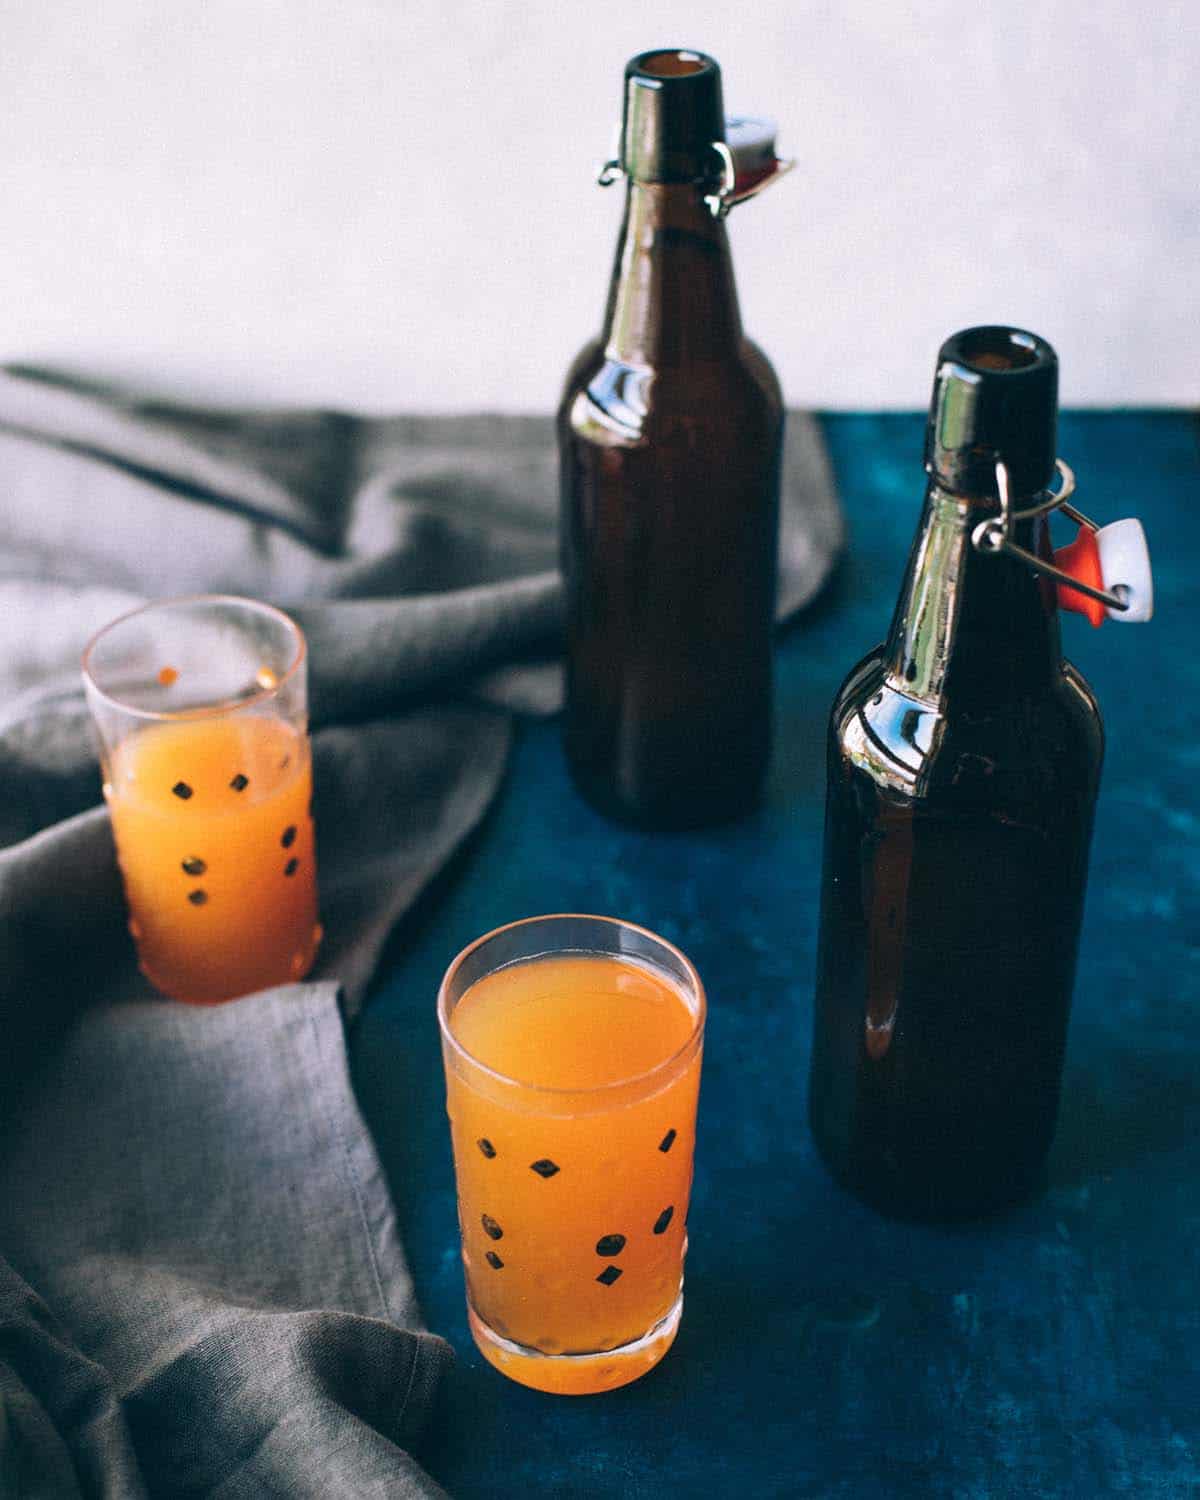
(573, 1195)
(213, 826)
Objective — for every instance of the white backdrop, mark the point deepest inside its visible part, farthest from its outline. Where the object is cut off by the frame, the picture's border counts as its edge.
(389, 204)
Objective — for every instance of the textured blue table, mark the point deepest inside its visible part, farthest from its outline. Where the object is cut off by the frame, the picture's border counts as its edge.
(825, 1351)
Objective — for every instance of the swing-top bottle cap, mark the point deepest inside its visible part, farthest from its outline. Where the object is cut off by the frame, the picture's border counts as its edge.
(751, 142)
(995, 396)
(673, 112)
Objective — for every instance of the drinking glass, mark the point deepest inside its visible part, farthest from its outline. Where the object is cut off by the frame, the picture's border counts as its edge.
(200, 707)
(572, 1049)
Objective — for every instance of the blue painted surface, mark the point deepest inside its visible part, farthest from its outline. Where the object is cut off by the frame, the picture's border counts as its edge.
(826, 1351)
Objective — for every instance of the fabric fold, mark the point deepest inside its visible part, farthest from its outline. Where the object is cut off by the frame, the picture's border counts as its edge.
(241, 1317)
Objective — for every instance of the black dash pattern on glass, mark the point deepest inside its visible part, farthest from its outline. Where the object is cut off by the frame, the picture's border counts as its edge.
(289, 836)
(486, 1147)
(545, 1167)
(609, 1275)
(240, 782)
(494, 1261)
(664, 1218)
(193, 865)
(182, 790)
(491, 1228)
(197, 897)
(667, 1141)
(292, 866)
(610, 1244)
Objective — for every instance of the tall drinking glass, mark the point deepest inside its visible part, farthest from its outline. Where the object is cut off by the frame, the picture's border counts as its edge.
(200, 707)
(572, 1050)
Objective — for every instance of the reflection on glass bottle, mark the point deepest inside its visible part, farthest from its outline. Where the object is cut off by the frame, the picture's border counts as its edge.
(964, 759)
(670, 431)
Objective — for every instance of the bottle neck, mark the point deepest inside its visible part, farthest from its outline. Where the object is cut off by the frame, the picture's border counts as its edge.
(970, 626)
(672, 299)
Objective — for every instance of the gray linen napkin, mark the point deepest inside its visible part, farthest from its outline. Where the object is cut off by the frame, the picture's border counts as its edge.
(202, 1289)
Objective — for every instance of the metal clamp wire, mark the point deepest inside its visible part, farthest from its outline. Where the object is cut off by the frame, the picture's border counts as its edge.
(995, 534)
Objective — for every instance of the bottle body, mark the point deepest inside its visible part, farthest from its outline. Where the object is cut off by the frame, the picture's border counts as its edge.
(670, 434)
(669, 553)
(964, 760)
(949, 930)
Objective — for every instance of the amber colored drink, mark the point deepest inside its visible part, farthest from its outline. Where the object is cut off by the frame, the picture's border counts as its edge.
(213, 825)
(573, 1186)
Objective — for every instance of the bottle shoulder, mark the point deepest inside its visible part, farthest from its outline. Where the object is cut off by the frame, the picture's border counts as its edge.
(1077, 694)
(763, 370)
(607, 400)
(918, 748)
(581, 370)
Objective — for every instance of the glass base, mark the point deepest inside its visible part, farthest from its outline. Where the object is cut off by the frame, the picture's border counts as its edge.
(576, 1374)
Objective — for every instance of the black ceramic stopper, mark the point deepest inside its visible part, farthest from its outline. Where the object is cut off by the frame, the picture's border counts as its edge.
(673, 113)
(995, 395)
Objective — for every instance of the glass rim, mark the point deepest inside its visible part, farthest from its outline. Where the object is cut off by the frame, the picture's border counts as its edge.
(205, 710)
(590, 1090)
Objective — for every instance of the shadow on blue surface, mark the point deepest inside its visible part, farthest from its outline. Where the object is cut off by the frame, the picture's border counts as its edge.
(825, 1351)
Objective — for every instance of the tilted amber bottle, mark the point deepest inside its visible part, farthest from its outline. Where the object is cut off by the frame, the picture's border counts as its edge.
(670, 431)
(964, 758)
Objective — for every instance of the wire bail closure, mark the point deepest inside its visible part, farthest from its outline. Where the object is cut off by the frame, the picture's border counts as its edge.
(727, 194)
(722, 200)
(995, 534)
(609, 172)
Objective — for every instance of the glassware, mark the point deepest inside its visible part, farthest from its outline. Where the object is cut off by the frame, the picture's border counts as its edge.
(200, 706)
(670, 432)
(572, 1049)
(964, 762)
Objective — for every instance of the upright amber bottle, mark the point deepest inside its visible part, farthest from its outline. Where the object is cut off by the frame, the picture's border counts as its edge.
(964, 759)
(670, 431)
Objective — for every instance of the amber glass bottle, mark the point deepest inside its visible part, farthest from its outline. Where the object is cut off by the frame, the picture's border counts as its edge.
(964, 759)
(670, 431)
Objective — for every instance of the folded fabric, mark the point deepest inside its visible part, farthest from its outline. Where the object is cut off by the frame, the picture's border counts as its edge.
(248, 1321)
(202, 1289)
